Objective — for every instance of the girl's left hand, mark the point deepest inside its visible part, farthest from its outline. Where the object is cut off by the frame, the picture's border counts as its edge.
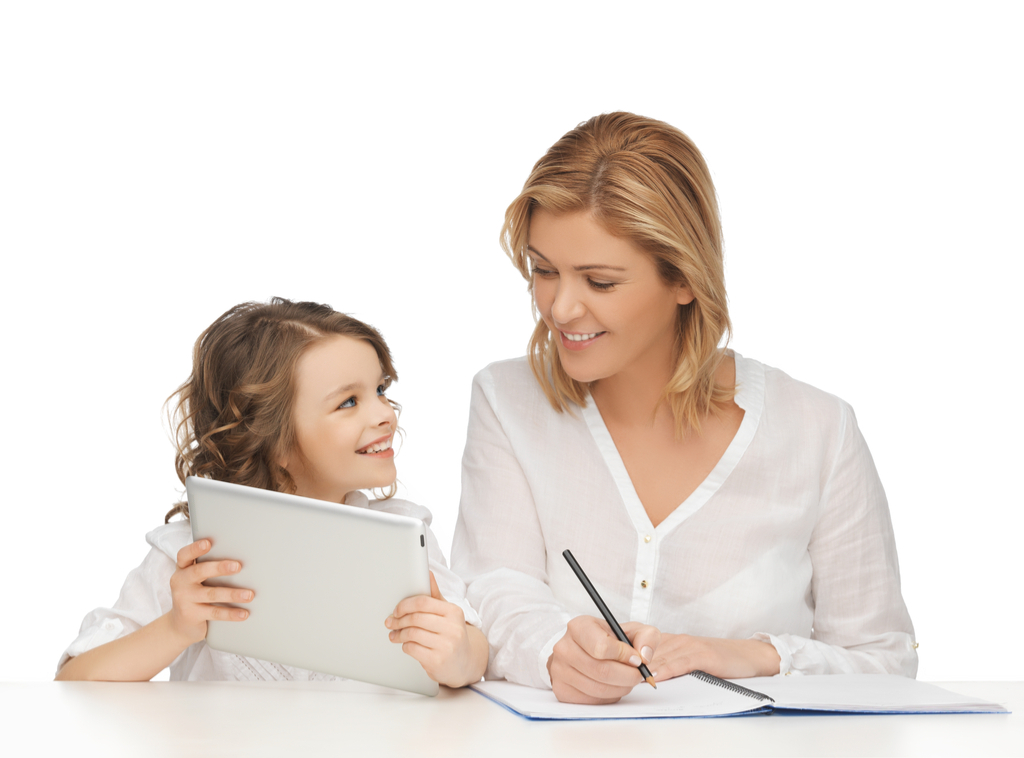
(679, 654)
(435, 633)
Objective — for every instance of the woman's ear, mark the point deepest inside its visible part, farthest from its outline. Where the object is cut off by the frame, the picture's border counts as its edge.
(684, 296)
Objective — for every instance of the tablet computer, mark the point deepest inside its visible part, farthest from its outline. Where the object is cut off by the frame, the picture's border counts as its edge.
(325, 577)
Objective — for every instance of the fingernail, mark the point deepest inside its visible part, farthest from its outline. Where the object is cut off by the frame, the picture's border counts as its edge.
(247, 595)
(241, 614)
(387, 622)
(634, 660)
(391, 636)
(646, 653)
(204, 545)
(233, 566)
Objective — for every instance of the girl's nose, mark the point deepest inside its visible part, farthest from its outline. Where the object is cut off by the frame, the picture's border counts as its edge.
(387, 415)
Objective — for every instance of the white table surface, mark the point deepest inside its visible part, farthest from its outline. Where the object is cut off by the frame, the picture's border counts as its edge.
(184, 719)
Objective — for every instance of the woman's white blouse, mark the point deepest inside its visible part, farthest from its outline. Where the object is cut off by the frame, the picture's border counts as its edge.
(788, 540)
(146, 595)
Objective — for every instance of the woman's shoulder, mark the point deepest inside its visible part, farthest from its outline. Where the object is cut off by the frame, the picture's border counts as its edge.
(509, 372)
(783, 394)
(170, 538)
(511, 384)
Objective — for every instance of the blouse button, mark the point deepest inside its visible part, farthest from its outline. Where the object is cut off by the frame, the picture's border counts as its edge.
(644, 584)
(647, 538)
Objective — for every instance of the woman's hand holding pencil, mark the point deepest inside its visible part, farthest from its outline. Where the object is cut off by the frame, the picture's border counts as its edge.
(590, 665)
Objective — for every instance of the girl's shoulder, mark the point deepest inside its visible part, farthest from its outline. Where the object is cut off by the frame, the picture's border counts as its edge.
(393, 505)
(170, 538)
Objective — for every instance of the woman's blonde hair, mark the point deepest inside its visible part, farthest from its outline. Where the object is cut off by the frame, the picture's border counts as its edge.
(232, 418)
(646, 182)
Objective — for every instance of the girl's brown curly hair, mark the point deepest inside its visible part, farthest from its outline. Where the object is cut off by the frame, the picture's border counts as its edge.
(232, 418)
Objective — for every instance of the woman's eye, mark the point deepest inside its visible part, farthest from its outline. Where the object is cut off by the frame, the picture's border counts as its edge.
(381, 389)
(350, 403)
(603, 286)
(542, 271)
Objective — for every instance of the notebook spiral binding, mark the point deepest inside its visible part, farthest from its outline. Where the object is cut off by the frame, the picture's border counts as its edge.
(731, 686)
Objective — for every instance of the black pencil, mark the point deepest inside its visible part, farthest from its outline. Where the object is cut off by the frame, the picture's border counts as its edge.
(644, 672)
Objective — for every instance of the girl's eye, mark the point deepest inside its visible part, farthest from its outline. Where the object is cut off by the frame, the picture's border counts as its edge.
(350, 403)
(602, 286)
(542, 271)
(381, 389)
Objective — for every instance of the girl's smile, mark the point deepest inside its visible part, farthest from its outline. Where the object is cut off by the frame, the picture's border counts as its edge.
(379, 448)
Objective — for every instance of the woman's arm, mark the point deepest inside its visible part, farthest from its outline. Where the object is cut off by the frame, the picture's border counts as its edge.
(142, 654)
(499, 550)
(861, 623)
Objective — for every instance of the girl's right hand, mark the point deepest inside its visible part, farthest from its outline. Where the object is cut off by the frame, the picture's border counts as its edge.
(193, 601)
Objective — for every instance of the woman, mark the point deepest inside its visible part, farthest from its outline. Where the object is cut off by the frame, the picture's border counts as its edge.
(732, 514)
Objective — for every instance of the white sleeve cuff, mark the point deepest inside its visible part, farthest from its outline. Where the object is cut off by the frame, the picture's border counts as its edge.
(785, 654)
(545, 654)
(107, 631)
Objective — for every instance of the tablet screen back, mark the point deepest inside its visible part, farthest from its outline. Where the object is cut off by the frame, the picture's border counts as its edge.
(325, 577)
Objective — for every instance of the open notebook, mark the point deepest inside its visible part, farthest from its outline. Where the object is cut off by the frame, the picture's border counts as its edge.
(702, 695)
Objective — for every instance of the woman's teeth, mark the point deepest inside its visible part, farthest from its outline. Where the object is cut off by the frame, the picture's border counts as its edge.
(378, 448)
(580, 337)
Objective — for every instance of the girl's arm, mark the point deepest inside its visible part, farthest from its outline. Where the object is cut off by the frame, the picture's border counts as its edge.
(435, 633)
(136, 657)
(141, 655)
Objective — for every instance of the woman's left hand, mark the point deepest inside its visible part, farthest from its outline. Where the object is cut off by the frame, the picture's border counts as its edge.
(679, 654)
(435, 633)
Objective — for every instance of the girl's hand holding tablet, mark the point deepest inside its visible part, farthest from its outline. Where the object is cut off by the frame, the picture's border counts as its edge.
(435, 633)
(194, 601)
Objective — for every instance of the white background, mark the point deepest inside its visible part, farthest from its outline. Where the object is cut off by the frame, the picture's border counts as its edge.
(160, 162)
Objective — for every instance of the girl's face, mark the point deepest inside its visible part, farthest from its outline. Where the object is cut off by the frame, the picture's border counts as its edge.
(344, 425)
(602, 298)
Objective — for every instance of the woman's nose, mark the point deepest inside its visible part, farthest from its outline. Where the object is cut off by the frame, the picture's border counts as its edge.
(567, 306)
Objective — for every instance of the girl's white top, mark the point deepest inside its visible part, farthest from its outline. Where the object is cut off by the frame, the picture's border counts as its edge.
(788, 540)
(146, 595)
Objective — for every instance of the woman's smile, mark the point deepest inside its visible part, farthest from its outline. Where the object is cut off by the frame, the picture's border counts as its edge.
(579, 340)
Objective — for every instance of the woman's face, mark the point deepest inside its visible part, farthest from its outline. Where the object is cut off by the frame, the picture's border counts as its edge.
(602, 298)
(344, 425)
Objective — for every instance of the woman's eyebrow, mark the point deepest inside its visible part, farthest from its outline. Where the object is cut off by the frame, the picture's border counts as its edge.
(588, 267)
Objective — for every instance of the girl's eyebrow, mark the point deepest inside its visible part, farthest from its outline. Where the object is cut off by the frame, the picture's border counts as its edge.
(349, 387)
(588, 267)
(342, 390)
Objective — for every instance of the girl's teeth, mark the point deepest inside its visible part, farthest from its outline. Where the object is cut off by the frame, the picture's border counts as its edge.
(580, 337)
(378, 448)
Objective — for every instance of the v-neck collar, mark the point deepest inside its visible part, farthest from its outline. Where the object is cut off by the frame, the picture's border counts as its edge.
(749, 397)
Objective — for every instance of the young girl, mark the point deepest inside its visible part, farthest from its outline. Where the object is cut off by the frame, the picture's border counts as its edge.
(289, 397)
